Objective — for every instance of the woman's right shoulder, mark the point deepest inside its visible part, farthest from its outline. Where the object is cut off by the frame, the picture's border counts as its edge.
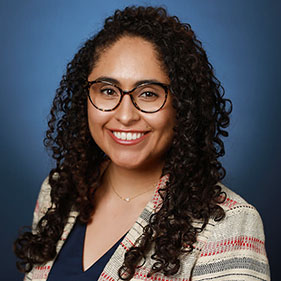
(44, 197)
(43, 202)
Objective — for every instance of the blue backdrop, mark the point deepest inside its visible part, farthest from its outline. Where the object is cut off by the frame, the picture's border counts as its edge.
(243, 42)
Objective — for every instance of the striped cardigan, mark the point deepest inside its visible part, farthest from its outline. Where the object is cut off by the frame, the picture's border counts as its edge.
(231, 249)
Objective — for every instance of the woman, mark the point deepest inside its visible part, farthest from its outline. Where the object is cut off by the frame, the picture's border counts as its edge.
(135, 130)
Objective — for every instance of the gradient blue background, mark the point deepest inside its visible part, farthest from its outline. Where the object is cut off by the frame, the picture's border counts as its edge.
(242, 39)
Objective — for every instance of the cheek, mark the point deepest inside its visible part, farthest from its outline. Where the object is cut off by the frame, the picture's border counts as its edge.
(168, 124)
(167, 120)
(95, 123)
(164, 125)
(91, 121)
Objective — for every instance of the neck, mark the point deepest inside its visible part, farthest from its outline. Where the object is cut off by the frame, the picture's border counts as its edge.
(129, 182)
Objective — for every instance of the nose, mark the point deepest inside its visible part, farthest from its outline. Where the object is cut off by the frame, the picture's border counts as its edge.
(126, 113)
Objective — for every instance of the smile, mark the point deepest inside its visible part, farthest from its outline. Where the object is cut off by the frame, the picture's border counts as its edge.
(127, 136)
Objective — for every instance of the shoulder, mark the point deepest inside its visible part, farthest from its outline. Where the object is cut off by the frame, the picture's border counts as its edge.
(234, 247)
(241, 218)
(232, 198)
(43, 202)
(44, 197)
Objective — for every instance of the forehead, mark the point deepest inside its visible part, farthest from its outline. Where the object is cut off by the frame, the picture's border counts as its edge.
(128, 60)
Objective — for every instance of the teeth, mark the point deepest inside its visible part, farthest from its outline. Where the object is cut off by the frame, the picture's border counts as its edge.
(127, 136)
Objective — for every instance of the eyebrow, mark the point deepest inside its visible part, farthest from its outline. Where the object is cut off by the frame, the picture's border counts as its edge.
(136, 84)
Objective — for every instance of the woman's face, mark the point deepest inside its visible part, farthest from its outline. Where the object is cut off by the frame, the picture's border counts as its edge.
(129, 61)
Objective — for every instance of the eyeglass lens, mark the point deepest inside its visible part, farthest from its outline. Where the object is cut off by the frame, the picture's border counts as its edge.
(148, 97)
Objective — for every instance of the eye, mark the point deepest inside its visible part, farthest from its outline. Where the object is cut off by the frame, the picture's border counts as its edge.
(148, 95)
(108, 91)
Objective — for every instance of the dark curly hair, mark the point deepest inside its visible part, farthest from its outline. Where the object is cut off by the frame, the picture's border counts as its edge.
(202, 114)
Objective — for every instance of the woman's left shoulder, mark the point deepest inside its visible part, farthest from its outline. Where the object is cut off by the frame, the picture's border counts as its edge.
(232, 198)
(233, 248)
(238, 210)
(241, 218)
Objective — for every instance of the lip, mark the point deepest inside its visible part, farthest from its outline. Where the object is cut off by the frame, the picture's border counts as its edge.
(128, 142)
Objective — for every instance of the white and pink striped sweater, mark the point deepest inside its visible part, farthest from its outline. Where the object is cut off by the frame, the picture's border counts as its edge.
(231, 249)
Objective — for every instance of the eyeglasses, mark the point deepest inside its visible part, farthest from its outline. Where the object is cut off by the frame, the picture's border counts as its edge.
(147, 97)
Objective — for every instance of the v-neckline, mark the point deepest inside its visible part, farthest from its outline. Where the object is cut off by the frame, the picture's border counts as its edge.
(116, 244)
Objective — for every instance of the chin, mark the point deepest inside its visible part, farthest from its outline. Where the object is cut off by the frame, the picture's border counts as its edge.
(132, 163)
(129, 165)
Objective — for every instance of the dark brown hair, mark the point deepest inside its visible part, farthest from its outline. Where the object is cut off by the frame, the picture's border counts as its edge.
(202, 114)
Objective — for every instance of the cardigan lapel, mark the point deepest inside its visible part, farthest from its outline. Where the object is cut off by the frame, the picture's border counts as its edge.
(41, 272)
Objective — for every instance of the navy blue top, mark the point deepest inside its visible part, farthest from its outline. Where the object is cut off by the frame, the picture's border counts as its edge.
(68, 264)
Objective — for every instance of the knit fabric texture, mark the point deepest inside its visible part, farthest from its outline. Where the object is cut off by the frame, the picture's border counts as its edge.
(232, 249)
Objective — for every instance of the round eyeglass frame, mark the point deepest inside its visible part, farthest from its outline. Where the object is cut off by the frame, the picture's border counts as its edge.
(123, 93)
